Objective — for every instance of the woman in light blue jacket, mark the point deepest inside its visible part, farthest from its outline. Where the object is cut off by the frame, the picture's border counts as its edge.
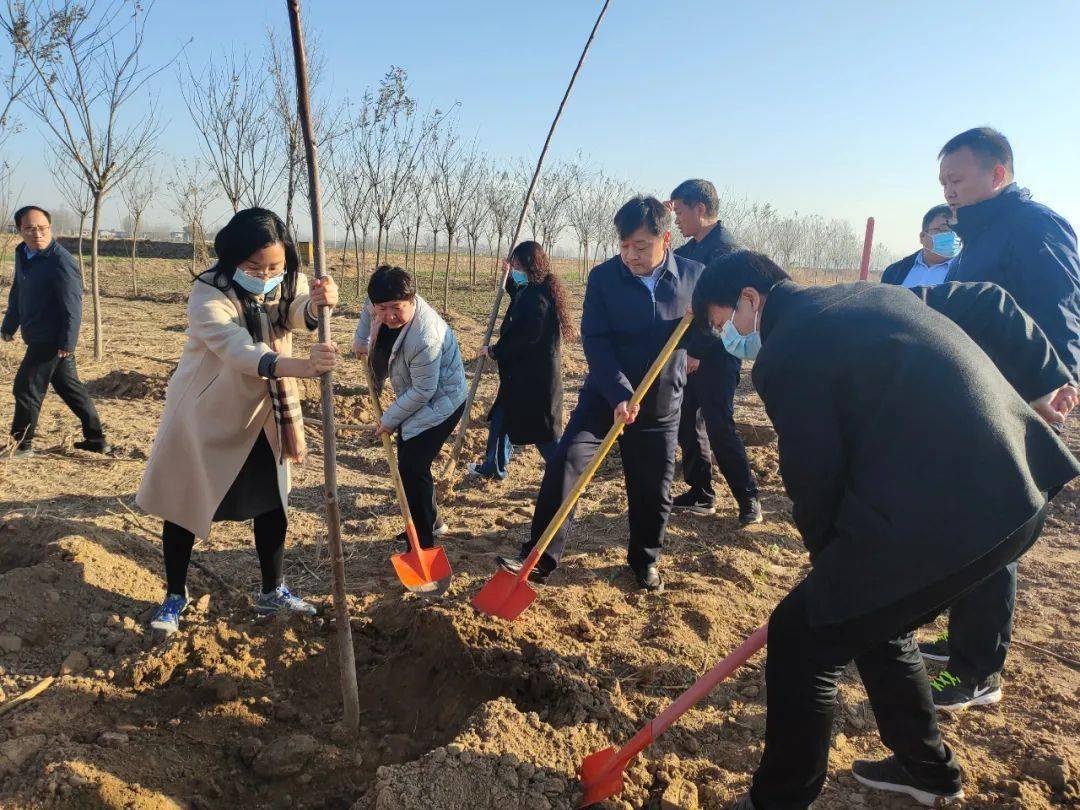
(404, 339)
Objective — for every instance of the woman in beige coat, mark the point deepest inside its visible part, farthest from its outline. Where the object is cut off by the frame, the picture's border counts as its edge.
(232, 421)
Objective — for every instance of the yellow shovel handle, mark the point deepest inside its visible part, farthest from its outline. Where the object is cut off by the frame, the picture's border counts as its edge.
(388, 446)
(608, 442)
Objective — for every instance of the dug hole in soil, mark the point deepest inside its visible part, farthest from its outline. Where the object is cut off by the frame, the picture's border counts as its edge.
(458, 710)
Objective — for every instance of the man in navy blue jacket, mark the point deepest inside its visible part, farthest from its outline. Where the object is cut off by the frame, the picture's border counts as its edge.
(45, 304)
(633, 302)
(1031, 252)
(707, 426)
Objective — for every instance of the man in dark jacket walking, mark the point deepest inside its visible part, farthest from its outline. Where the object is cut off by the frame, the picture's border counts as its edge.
(45, 304)
(869, 386)
(707, 421)
(1031, 252)
(932, 263)
(633, 303)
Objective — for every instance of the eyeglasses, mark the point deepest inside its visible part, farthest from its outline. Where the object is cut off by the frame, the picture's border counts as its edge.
(32, 231)
(264, 275)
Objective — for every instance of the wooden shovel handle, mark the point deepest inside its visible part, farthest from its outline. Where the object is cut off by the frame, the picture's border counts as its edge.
(391, 454)
(605, 447)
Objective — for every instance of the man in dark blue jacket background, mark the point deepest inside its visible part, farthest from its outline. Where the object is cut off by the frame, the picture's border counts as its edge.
(1031, 252)
(707, 425)
(633, 302)
(45, 305)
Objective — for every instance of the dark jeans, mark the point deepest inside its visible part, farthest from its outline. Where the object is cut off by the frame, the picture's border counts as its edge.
(499, 449)
(270, 529)
(647, 448)
(707, 428)
(980, 627)
(39, 367)
(805, 661)
(415, 457)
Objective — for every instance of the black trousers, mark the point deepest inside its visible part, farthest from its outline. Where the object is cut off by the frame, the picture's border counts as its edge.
(707, 429)
(270, 530)
(980, 627)
(805, 661)
(647, 448)
(39, 367)
(415, 457)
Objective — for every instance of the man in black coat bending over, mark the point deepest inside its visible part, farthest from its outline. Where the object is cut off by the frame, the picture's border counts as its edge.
(633, 302)
(707, 423)
(45, 304)
(913, 442)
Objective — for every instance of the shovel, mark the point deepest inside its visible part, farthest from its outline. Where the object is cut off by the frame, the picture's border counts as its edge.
(419, 569)
(602, 773)
(507, 595)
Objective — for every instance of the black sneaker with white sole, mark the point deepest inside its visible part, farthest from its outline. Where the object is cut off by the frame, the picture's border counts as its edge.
(697, 502)
(513, 566)
(953, 694)
(936, 650)
(888, 774)
(750, 512)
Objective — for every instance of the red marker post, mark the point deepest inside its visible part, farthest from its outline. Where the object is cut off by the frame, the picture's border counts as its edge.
(868, 243)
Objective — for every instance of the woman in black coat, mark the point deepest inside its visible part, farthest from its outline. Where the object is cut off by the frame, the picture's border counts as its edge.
(528, 408)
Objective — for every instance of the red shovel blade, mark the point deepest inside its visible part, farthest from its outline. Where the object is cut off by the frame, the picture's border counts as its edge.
(420, 568)
(506, 595)
(601, 776)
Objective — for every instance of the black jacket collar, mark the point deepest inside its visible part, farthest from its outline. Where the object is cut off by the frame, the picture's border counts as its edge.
(48, 250)
(973, 218)
(779, 301)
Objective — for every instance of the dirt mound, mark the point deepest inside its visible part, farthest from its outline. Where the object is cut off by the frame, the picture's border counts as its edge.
(352, 406)
(128, 385)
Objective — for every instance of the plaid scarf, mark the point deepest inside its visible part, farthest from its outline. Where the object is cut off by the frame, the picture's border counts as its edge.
(284, 395)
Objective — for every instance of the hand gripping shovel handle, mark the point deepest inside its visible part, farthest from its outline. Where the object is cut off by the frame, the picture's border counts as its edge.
(391, 458)
(602, 773)
(604, 448)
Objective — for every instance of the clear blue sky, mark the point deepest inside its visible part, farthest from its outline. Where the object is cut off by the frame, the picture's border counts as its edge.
(833, 107)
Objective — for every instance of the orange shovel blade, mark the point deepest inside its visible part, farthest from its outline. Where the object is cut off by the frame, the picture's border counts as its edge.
(601, 776)
(505, 596)
(421, 567)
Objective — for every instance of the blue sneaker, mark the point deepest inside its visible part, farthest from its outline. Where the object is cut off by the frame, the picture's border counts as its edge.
(167, 618)
(281, 601)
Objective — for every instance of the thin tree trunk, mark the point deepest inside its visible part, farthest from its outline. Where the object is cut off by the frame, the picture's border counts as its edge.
(363, 248)
(134, 276)
(415, 246)
(82, 272)
(345, 245)
(99, 337)
(434, 255)
(378, 244)
(193, 243)
(356, 257)
(446, 277)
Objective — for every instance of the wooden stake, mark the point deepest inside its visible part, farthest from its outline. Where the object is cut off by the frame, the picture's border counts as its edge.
(26, 696)
(451, 463)
(346, 657)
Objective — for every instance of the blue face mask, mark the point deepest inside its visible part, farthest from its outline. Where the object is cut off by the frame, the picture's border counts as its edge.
(745, 347)
(946, 244)
(519, 277)
(257, 286)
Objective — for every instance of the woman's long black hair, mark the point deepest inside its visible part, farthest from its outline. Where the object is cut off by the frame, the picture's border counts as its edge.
(537, 267)
(248, 231)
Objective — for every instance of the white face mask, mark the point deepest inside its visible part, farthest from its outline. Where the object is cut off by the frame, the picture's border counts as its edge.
(745, 347)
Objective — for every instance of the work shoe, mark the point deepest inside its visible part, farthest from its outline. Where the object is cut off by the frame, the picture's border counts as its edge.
(889, 774)
(513, 565)
(696, 502)
(936, 650)
(167, 617)
(94, 446)
(280, 600)
(23, 452)
(648, 579)
(750, 512)
(477, 469)
(440, 528)
(951, 694)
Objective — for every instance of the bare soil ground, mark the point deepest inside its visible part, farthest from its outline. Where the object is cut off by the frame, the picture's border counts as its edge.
(459, 710)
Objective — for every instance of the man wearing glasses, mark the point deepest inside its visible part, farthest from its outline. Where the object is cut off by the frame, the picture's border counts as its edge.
(45, 303)
(928, 266)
